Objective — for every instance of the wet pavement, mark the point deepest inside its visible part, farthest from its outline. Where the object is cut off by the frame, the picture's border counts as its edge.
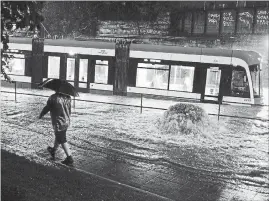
(225, 109)
(23, 180)
(125, 148)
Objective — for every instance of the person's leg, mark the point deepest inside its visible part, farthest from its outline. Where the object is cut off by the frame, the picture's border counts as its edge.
(56, 144)
(63, 142)
(66, 149)
(53, 149)
(69, 159)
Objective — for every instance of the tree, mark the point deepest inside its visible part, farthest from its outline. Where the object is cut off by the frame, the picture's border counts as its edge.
(17, 15)
(73, 17)
(82, 17)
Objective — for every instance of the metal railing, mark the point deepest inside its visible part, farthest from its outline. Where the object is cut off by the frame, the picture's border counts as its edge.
(137, 106)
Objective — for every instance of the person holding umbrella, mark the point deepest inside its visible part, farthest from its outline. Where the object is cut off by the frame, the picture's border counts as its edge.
(59, 106)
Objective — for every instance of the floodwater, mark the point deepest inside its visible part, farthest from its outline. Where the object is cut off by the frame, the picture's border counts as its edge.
(230, 146)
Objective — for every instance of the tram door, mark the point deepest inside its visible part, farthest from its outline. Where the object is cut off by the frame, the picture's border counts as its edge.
(212, 85)
(70, 70)
(77, 73)
(83, 84)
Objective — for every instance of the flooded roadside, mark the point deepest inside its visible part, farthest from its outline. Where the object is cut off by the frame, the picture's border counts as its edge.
(232, 149)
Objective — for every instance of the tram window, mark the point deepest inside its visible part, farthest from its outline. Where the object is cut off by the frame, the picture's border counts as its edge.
(53, 67)
(83, 70)
(101, 72)
(151, 78)
(239, 84)
(16, 64)
(255, 77)
(152, 75)
(181, 78)
(70, 71)
(150, 65)
(102, 62)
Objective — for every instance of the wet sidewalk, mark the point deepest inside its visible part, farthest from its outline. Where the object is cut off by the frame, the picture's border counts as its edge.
(163, 104)
(107, 153)
(168, 181)
(23, 180)
(103, 176)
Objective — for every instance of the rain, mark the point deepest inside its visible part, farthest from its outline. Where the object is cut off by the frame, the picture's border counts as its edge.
(168, 104)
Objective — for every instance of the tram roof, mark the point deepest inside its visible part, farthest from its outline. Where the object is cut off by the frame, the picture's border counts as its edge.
(67, 42)
(250, 57)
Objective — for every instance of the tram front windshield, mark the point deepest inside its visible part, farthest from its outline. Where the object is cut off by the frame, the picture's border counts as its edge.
(255, 77)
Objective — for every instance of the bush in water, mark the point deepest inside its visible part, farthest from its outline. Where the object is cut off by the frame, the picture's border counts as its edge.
(184, 119)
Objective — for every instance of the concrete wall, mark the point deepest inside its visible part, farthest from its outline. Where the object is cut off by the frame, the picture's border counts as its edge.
(131, 28)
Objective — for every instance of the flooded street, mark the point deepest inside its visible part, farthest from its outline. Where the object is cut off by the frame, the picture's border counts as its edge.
(235, 151)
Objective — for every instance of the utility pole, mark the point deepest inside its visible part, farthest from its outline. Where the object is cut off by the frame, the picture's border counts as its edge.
(122, 53)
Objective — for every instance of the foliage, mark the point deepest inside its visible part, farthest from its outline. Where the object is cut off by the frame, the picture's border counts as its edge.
(184, 119)
(76, 17)
(73, 17)
(17, 15)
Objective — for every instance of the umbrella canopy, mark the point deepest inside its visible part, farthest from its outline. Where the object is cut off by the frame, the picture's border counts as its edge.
(59, 85)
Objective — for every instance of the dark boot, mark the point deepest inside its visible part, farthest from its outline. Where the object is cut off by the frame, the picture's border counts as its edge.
(52, 151)
(68, 161)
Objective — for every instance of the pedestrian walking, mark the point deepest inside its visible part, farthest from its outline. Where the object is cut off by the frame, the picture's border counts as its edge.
(59, 106)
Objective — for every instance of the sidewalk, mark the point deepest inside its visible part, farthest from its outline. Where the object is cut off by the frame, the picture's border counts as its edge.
(23, 180)
(116, 144)
(148, 101)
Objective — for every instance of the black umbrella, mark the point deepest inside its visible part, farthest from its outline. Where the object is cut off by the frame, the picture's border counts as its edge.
(59, 85)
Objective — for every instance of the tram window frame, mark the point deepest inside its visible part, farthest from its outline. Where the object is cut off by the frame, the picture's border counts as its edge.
(153, 68)
(96, 65)
(84, 71)
(70, 71)
(53, 66)
(21, 71)
(182, 67)
(256, 84)
(236, 91)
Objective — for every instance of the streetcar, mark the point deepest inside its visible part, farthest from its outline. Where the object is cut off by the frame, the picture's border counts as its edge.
(186, 72)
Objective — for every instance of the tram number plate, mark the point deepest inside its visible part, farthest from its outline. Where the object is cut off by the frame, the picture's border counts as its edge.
(246, 100)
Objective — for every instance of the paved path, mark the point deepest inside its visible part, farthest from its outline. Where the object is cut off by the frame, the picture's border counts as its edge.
(235, 110)
(161, 179)
(23, 180)
(103, 176)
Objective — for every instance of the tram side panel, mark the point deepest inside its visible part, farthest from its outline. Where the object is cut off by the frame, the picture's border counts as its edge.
(200, 80)
(132, 72)
(236, 81)
(225, 81)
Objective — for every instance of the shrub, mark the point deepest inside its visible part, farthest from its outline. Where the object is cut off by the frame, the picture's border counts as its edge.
(184, 119)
